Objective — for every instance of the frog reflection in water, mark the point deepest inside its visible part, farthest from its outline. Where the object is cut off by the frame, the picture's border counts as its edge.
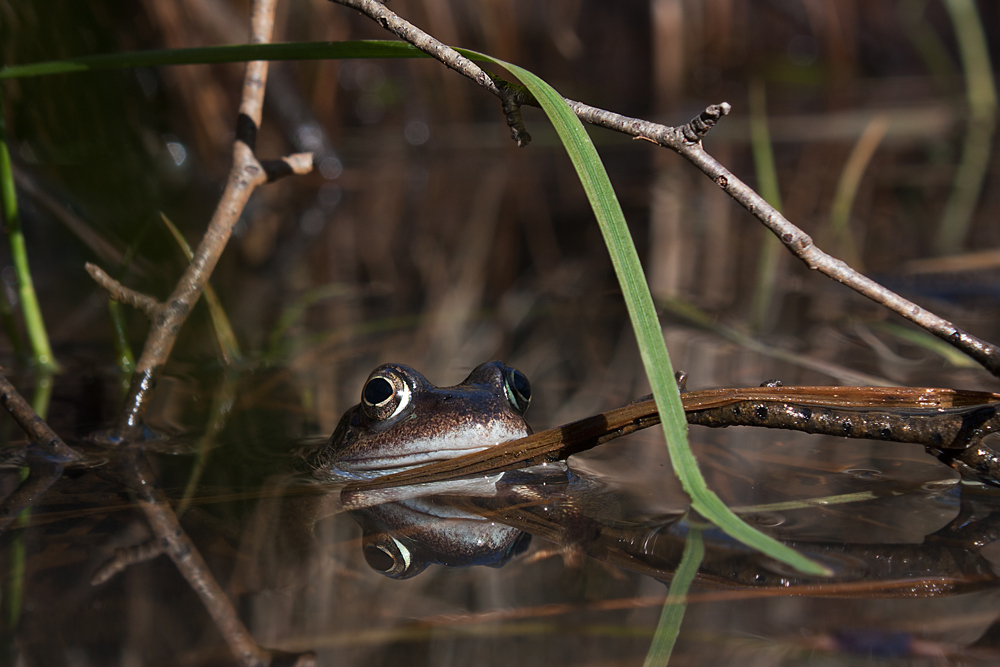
(404, 421)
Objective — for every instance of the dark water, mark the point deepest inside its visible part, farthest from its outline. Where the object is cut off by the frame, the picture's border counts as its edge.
(910, 547)
(425, 238)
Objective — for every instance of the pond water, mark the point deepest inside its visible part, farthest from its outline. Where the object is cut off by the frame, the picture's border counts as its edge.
(424, 238)
(911, 548)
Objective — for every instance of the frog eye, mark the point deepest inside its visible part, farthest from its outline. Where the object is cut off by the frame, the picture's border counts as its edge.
(384, 396)
(518, 389)
(387, 555)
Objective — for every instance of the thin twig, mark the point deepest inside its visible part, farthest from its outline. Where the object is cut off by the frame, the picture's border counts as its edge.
(686, 140)
(147, 304)
(405, 30)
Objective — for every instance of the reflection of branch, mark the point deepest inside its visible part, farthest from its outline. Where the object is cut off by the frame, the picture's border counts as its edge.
(175, 543)
(42, 436)
(40, 478)
(244, 177)
(686, 140)
(125, 556)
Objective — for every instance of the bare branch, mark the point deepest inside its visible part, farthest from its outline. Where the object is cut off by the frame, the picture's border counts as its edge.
(440, 51)
(802, 246)
(299, 164)
(122, 294)
(686, 140)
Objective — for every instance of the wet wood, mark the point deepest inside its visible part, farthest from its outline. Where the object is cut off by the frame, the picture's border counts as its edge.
(950, 421)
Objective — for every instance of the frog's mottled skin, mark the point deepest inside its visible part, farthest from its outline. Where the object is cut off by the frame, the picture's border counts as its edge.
(437, 423)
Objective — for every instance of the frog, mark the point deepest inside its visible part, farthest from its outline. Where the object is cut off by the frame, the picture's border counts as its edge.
(403, 421)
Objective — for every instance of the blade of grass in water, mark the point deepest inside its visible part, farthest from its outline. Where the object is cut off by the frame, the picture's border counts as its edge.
(609, 215)
(674, 607)
(228, 345)
(41, 351)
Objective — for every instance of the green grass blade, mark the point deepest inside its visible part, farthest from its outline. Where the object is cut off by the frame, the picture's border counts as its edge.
(639, 302)
(41, 351)
(674, 607)
(228, 345)
(230, 53)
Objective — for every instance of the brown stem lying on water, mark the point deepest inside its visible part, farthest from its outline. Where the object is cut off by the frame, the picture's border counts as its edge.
(686, 140)
(950, 423)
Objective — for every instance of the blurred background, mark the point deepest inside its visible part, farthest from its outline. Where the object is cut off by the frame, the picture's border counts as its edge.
(424, 236)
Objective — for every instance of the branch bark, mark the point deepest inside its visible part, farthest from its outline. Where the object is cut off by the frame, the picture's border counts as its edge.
(687, 141)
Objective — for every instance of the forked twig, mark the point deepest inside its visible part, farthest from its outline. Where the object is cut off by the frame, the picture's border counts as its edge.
(245, 175)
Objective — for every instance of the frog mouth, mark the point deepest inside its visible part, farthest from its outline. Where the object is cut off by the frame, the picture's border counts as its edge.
(430, 449)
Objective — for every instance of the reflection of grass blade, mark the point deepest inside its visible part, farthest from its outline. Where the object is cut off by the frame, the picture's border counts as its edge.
(222, 405)
(673, 609)
(982, 98)
(33, 323)
(228, 344)
(649, 336)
